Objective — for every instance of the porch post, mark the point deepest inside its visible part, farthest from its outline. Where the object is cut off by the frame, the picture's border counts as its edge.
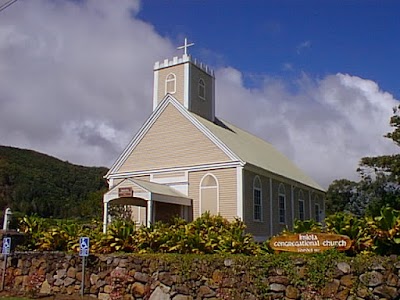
(105, 217)
(149, 212)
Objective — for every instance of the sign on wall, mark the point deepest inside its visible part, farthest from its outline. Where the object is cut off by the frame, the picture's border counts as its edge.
(125, 192)
(310, 242)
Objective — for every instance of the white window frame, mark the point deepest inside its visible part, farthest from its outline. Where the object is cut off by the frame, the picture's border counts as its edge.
(171, 77)
(257, 207)
(202, 87)
(201, 187)
(282, 200)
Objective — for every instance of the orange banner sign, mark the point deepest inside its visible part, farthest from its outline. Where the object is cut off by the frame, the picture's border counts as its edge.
(310, 242)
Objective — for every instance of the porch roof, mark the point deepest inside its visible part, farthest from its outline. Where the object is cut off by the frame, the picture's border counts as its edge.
(145, 190)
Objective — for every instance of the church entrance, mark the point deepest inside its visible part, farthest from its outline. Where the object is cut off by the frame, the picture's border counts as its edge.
(154, 202)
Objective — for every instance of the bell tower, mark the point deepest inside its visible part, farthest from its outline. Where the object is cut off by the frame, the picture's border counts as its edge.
(190, 82)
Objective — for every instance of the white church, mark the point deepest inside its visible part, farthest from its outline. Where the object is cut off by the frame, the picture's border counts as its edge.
(185, 161)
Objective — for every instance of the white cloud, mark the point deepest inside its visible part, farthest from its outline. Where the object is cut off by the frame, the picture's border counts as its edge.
(302, 46)
(325, 127)
(76, 83)
(83, 62)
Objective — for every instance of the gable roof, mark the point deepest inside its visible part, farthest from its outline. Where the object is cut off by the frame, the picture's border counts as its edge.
(256, 151)
(235, 142)
(153, 118)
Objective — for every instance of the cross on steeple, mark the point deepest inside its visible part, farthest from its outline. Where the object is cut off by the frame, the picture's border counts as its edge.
(185, 46)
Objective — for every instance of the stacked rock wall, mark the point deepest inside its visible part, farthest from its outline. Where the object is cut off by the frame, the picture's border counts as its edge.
(200, 277)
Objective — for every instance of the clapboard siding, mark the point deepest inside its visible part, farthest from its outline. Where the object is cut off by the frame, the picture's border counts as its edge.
(202, 107)
(116, 181)
(172, 141)
(127, 183)
(227, 191)
(277, 226)
(138, 214)
(144, 177)
(169, 175)
(259, 228)
(178, 70)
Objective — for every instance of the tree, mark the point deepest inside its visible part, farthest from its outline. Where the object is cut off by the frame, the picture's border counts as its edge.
(379, 185)
(350, 196)
(385, 165)
(339, 194)
(381, 174)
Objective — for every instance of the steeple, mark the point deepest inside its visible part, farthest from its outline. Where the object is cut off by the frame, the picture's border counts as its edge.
(192, 83)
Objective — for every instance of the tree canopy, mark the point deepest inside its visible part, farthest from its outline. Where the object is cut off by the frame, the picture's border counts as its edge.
(379, 184)
(35, 183)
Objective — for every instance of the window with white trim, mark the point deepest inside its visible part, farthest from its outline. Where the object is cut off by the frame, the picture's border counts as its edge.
(170, 84)
(301, 206)
(257, 199)
(209, 194)
(202, 89)
(282, 204)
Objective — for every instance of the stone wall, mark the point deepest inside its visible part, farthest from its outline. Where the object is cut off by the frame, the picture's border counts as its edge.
(180, 277)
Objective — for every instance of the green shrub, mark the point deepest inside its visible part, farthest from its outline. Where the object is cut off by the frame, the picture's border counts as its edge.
(207, 234)
(385, 231)
(354, 227)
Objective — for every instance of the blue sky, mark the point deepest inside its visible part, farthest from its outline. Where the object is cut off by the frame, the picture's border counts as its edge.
(317, 79)
(283, 38)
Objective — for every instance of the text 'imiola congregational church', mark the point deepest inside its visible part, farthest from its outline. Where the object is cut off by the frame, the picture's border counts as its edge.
(185, 161)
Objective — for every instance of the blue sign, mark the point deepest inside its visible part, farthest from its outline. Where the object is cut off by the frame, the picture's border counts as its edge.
(84, 246)
(6, 245)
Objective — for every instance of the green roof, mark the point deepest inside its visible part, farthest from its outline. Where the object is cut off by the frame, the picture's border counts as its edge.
(256, 151)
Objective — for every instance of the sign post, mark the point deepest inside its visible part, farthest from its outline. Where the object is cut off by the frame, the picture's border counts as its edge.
(83, 252)
(5, 251)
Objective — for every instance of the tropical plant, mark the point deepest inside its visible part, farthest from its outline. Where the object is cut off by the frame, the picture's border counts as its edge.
(385, 231)
(311, 225)
(63, 236)
(352, 226)
(33, 227)
(119, 237)
(207, 234)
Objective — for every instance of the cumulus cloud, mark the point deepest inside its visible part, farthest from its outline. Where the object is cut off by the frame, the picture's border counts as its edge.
(76, 83)
(76, 76)
(325, 126)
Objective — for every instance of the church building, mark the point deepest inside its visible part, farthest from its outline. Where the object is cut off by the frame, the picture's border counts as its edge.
(185, 161)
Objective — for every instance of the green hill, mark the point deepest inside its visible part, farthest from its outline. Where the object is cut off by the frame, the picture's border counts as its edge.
(35, 183)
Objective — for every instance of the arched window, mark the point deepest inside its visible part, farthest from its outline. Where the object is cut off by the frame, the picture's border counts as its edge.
(282, 204)
(317, 210)
(301, 206)
(170, 84)
(257, 199)
(209, 194)
(202, 89)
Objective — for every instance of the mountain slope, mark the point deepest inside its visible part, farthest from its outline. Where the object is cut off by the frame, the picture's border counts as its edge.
(32, 182)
